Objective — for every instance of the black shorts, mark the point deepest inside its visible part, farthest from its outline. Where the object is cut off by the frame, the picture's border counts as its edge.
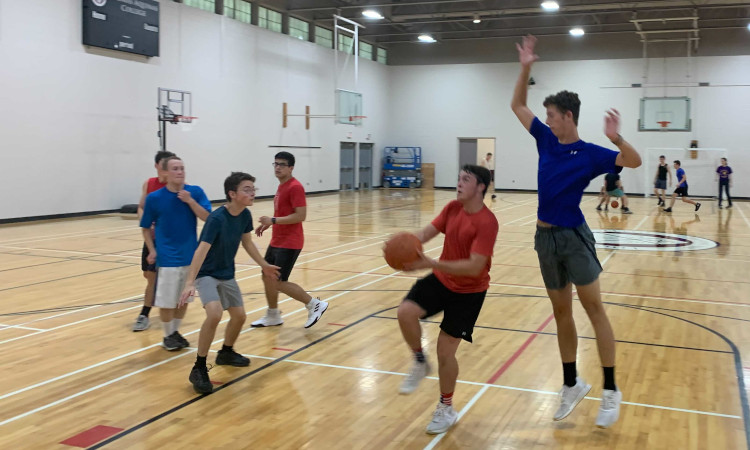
(145, 266)
(284, 258)
(460, 310)
(681, 191)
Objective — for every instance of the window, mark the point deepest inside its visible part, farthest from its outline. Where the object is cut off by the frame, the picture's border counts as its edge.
(346, 44)
(365, 50)
(382, 56)
(324, 37)
(299, 29)
(269, 19)
(206, 5)
(238, 10)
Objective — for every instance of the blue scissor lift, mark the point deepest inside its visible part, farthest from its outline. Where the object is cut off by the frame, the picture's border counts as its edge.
(402, 167)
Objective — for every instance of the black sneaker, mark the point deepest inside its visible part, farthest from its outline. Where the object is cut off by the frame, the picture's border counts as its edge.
(626, 211)
(729, 206)
(231, 358)
(171, 343)
(199, 379)
(697, 206)
(667, 209)
(599, 208)
(494, 196)
(179, 338)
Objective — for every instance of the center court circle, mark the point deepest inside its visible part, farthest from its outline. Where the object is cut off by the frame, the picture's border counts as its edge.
(650, 241)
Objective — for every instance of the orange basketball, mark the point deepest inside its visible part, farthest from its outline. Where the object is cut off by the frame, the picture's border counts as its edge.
(615, 204)
(402, 248)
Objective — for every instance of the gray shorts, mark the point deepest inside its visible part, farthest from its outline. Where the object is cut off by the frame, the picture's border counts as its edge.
(225, 291)
(567, 255)
(660, 184)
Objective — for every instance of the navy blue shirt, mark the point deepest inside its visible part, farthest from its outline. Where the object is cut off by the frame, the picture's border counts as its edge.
(680, 174)
(224, 232)
(564, 172)
(174, 222)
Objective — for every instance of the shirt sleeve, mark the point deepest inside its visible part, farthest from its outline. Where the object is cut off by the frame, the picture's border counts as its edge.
(441, 220)
(542, 134)
(201, 198)
(297, 196)
(729, 169)
(210, 230)
(484, 242)
(148, 217)
(603, 161)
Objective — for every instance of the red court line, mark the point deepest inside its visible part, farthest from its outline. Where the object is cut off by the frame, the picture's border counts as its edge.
(91, 436)
(518, 352)
(217, 383)
(282, 349)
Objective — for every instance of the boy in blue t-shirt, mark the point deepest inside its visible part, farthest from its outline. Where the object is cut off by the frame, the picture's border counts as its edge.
(212, 273)
(563, 241)
(682, 189)
(172, 210)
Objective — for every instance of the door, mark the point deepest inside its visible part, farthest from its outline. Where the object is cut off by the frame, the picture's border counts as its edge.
(467, 152)
(346, 171)
(365, 165)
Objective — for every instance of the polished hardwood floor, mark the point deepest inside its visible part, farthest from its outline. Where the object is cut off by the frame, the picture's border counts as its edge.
(74, 372)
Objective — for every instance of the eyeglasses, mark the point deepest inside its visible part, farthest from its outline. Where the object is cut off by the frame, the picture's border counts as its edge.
(249, 190)
(275, 164)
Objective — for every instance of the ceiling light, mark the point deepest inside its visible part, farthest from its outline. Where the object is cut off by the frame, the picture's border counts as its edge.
(577, 32)
(371, 14)
(748, 26)
(476, 18)
(550, 6)
(426, 38)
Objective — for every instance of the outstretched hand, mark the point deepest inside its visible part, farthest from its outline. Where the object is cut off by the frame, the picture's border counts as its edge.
(526, 53)
(612, 124)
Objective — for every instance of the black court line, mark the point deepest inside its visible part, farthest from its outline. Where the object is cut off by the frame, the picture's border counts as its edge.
(690, 312)
(737, 364)
(547, 333)
(234, 381)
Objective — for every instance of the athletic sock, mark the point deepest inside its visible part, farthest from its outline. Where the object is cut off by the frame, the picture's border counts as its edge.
(167, 328)
(176, 325)
(226, 348)
(569, 373)
(609, 378)
(145, 311)
(200, 361)
(419, 355)
(446, 399)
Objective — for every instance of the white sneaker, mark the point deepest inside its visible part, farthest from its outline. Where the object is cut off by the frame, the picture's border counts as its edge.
(271, 319)
(418, 371)
(315, 310)
(570, 397)
(442, 419)
(609, 411)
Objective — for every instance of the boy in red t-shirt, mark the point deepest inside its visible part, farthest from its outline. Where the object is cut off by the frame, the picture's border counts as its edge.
(289, 211)
(149, 270)
(457, 287)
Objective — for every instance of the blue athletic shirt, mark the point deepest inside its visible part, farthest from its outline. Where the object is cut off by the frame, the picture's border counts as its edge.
(224, 232)
(680, 174)
(176, 237)
(564, 172)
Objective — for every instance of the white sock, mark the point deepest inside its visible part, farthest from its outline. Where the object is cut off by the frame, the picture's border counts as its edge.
(167, 328)
(176, 324)
(273, 311)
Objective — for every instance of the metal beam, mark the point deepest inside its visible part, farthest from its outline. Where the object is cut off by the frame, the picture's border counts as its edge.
(380, 5)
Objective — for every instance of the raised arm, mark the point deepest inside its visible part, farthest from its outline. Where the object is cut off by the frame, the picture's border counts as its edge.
(527, 57)
(628, 156)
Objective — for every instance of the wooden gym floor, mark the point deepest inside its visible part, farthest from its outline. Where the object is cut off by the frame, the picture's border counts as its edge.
(75, 374)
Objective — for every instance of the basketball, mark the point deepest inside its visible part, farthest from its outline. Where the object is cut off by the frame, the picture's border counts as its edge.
(402, 248)
(615, 204)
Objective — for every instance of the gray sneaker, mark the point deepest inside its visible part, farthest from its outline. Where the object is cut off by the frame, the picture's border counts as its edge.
(171, 343)
(570, 397)
(141, 323)
(418, 372)
(442, 419)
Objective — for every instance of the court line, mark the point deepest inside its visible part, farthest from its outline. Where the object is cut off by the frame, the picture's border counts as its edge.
(743, 215)
(51, 237)
(5, 327)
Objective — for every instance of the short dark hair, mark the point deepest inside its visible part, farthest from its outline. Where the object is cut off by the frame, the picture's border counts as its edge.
(286, 156)
(723, 159)
(234, 180)
(677, 161)
(662, 156)
(565, 101)
(489, 154)
(165, 161)
(161, 155)
(482, 174)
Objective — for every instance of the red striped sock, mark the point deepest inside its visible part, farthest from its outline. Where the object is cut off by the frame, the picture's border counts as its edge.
(446, 399)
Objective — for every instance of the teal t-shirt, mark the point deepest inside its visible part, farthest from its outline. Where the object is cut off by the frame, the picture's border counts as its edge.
(224, 232)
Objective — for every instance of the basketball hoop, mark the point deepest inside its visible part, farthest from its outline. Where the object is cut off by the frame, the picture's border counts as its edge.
(182, 119)
(664, 124)
(353, 118)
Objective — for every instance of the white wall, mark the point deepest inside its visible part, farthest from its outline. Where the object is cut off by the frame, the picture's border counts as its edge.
(431, 106)
(78, 124)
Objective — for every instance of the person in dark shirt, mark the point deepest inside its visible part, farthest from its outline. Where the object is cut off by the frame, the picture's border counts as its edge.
(682, 188)
(660, 180)
(724, 176)
(613, 188)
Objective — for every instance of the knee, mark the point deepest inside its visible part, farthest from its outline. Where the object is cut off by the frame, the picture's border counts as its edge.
(238, 318)
(593, 309)
(562, 312)
(408, 311)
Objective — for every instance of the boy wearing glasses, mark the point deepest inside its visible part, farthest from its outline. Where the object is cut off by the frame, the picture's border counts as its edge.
(212, 273)
(289, 211)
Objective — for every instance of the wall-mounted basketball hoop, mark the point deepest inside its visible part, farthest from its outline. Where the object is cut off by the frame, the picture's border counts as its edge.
(352, 120)
(175, 107)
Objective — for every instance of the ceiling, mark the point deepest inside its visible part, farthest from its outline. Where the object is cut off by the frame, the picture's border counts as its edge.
(447, 21)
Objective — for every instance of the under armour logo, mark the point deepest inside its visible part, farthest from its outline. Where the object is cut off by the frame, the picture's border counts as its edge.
(463, 334)
(573, 152)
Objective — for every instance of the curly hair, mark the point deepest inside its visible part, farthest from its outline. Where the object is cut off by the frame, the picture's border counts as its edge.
(565, 101)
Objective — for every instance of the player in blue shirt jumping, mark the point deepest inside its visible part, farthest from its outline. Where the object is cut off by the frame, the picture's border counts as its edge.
(563, 241)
